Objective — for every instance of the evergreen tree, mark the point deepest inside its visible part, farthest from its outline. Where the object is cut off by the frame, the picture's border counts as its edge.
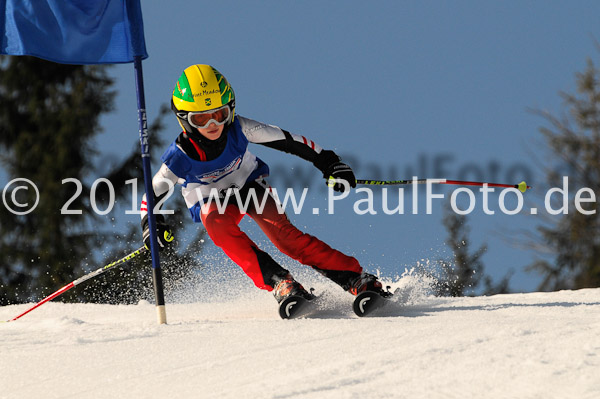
(574, 142)
(49, 117)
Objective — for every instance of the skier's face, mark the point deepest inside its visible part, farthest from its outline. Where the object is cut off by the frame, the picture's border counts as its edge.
(212, 132)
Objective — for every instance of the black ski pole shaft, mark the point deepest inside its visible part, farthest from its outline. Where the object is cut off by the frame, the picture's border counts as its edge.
(521, 186)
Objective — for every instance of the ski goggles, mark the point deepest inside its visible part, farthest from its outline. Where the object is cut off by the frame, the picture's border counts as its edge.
(218, 116)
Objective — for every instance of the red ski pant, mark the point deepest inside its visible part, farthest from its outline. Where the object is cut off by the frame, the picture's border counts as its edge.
(223, 229)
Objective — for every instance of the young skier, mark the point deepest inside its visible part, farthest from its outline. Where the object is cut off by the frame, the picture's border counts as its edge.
(212, 154)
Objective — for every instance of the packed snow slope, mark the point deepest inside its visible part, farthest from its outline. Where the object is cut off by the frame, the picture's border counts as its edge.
(537, 345)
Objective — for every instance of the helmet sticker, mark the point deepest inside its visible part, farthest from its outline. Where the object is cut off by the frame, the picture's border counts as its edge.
(225, 87)
(183, 90)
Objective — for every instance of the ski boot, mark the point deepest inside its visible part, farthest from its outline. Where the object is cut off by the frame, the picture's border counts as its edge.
(367, 282)
(287, 287)
(293, 299)
(369, 294)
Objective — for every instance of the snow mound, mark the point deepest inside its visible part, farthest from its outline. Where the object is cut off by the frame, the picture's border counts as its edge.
(230, 346)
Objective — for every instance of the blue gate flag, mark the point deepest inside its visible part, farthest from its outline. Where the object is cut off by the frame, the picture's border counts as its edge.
(73, 31)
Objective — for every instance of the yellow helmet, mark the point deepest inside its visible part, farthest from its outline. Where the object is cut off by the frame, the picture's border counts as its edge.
(201, 88)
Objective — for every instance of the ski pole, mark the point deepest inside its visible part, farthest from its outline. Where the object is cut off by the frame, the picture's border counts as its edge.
(522, 187)
(82, 279)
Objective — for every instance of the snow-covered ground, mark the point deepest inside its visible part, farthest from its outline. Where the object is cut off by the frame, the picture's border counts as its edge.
(537, 345)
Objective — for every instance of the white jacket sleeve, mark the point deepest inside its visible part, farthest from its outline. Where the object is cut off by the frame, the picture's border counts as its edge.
(163, 182)
(279, 139)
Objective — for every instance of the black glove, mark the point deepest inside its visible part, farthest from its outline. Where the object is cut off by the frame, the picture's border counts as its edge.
(163, 232)
(334, 170)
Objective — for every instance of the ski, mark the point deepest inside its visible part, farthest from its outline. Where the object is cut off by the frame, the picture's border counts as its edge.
(368, 301)
(295, 306)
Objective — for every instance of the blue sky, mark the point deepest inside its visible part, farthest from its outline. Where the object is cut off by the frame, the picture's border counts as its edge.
(440, 89)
